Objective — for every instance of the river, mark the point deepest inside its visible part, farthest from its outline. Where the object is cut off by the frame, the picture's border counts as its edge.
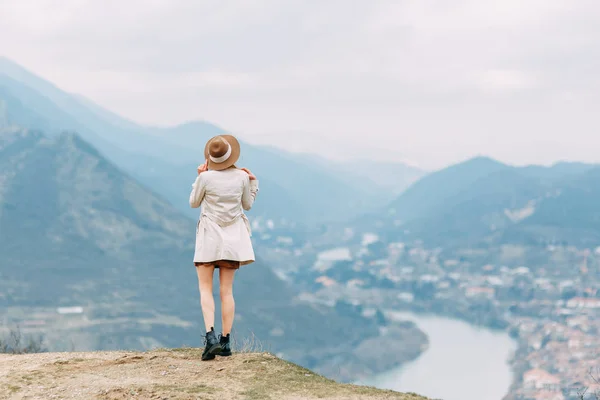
(463, 362)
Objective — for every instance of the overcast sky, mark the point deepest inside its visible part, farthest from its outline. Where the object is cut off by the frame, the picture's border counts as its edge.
(427, 81)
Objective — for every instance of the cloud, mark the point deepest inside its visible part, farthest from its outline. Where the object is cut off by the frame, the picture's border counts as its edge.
(430, 80)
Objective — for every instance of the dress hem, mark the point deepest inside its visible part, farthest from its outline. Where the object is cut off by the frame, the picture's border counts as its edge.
(224, 262)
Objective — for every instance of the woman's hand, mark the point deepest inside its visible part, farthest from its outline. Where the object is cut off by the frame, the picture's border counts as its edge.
(203, 168)
(246, 170)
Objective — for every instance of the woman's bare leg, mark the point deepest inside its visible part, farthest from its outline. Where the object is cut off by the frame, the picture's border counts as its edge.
(205, 283)
(227, 301)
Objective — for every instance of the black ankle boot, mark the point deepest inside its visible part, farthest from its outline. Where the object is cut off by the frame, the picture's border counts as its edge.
(212, 346)
(225, 345)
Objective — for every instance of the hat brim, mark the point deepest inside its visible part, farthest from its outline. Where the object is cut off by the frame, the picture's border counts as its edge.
(235, 153)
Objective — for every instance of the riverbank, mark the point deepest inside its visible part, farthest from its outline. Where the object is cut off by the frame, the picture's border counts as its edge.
(400, 342)
(495, 323)
(463, 362)
(462, 310)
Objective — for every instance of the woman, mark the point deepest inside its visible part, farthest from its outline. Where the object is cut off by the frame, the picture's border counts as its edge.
(222, 233)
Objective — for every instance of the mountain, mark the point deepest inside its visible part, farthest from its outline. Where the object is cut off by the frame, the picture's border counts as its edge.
(570, 212)
(77, 231)
(431, 193)
(480, 209)
(483, 201)
(165, 159)
(556, 172)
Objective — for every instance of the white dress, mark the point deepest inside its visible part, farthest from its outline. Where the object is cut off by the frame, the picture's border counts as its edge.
(223, 231)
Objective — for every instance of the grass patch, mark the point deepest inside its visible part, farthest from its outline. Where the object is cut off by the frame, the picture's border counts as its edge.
(279, 376)
(250, 344)
(183, 350)
(195, 389)
(13, 388)
(256, 394)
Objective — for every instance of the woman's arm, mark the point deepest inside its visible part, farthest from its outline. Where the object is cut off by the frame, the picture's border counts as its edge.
(198, 190)
(249, 193)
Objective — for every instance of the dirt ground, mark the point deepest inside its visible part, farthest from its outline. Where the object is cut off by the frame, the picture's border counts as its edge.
(169, 374)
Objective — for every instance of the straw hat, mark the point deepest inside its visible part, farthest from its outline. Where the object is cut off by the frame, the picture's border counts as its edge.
(222, 152)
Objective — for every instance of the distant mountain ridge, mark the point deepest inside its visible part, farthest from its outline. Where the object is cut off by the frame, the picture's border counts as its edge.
(482, 200)
(165, 159)
(431, 192)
